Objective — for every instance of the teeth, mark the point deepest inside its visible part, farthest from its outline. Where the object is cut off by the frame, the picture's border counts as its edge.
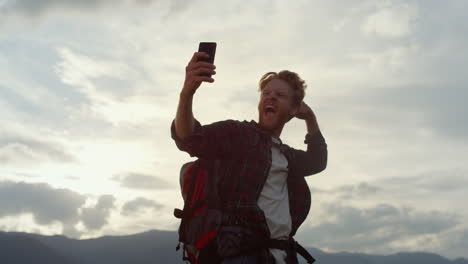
(268, 107)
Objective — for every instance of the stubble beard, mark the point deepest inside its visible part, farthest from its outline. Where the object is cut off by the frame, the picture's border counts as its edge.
(271, 123)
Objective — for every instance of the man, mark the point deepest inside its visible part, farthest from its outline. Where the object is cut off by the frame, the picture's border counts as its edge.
(261, 180)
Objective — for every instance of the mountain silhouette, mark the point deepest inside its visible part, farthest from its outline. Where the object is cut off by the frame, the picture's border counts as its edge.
(23, 249)
(157, 247)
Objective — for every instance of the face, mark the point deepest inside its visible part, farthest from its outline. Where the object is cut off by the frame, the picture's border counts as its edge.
(275, 106)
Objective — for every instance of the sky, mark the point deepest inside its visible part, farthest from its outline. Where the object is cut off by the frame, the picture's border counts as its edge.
(89, 88)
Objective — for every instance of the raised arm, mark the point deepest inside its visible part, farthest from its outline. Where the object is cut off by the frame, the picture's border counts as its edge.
(185, 121)
(213, 140)
(315, 159)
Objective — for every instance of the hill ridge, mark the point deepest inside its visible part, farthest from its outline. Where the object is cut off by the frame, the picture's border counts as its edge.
(158, 246)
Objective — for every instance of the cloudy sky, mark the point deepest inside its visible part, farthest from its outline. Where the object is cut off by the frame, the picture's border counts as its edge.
(88, 89)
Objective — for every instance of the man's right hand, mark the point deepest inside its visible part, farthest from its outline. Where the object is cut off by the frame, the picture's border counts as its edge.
(193, 70)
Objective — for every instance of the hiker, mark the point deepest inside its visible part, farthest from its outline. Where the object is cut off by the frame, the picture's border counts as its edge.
(264, 197)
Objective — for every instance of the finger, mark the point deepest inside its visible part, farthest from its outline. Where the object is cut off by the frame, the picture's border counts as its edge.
(198, 55)
(203, 79)
(199, 71)
(203, 64)
(200, 64)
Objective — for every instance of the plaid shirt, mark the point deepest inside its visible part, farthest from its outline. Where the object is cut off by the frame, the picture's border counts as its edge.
(244, 149)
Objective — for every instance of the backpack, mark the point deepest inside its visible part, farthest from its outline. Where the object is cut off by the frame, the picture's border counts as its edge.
(200, 216)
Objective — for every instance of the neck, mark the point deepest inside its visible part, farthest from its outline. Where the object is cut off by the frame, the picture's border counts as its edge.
(276, 132)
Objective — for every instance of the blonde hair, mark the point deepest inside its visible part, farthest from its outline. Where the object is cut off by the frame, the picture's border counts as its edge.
(292, 78)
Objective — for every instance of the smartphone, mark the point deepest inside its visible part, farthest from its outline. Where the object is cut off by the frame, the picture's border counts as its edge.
(210, 49)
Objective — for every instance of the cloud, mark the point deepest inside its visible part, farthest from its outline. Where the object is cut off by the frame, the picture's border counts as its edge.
(429, 182)
(24, 150)
(137, 205)
(96, 218)
(49, 206)
(379, 228)
(456, 242)
(438, 106)
(46, 203)
(44, 8)
(386, 215)
(33, 7)
(114, 88)
(431, 189)
(404, 185)
(420, 76)
(392, 20)
(362, 189)
(140, 181)
(80, 70)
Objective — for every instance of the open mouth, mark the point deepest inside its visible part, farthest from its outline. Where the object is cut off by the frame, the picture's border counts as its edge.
(269, 110)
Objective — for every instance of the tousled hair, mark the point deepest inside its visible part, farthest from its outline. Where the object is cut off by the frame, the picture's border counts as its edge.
(292, 78)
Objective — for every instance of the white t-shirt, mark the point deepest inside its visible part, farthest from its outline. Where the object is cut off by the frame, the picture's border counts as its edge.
(274, 200)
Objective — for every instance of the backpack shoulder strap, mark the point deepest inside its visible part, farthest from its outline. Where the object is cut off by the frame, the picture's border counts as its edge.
(212, 180)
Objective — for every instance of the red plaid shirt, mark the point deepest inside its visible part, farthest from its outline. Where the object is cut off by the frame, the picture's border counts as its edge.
(244, 149)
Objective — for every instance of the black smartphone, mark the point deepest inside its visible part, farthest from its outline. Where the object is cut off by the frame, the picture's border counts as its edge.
(210, 49)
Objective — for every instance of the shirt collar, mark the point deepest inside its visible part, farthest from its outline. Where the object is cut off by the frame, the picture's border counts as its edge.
(276, 141)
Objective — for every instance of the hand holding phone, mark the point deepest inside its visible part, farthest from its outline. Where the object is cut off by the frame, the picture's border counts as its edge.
(210, 49)
(200, 68)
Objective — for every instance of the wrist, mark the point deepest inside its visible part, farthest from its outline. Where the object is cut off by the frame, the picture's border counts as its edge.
(310, 117)
(184, 94)
(312, 126)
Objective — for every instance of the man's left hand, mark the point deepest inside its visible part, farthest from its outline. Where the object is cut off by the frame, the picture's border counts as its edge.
(304, 112)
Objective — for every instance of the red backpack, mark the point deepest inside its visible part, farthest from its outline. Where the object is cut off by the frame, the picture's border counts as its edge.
(200, 217)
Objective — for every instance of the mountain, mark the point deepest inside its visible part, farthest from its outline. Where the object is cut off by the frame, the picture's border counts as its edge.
(400, 258)
(156, 247)
(23, 249)
(147, 247)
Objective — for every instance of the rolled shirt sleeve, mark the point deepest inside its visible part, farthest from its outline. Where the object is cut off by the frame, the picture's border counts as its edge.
(315, 159)
(215, 140)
